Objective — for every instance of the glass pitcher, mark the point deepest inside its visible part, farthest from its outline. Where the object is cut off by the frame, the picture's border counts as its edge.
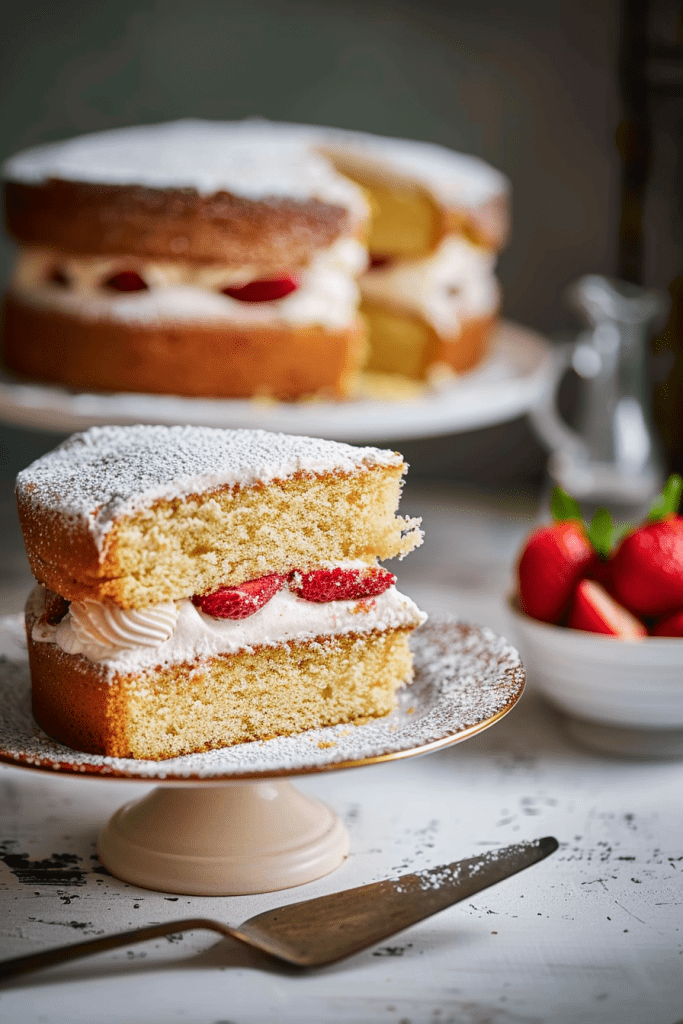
(612, 458)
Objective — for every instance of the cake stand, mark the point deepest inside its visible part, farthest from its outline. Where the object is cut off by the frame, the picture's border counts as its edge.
(516, 375)
(229, 822)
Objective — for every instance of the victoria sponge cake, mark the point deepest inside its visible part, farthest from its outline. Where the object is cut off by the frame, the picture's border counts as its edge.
(248, 259)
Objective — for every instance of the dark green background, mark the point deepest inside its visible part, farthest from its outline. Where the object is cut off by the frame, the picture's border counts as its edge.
(529, 85)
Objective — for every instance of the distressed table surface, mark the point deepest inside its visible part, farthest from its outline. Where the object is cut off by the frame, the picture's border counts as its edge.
(593, 934)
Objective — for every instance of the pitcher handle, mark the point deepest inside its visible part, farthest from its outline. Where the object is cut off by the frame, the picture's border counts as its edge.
(545, 417)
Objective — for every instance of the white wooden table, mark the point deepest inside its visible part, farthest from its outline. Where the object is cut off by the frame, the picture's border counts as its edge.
(592, 934)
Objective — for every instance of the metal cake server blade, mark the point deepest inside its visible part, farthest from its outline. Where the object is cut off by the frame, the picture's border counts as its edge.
(322, 930)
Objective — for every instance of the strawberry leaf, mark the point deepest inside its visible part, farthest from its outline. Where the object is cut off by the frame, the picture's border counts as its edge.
(601, 532)
(564, 507)
(666, 503)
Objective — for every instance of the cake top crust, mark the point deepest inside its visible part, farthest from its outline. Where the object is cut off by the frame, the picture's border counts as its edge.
(245, 158)
(105, 473)
(257, 159)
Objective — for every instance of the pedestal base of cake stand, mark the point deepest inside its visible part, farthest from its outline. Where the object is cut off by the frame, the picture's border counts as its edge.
(230, 839)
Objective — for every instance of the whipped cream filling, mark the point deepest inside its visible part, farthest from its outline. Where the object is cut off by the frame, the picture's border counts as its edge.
(177, 291)
(127, 640)
(96, 629)
(455, 283)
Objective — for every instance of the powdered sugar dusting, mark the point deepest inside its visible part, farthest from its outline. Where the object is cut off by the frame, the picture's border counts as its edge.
(104, 473)
(257, 159)
(465, 677)
(244, 158)
(465, 877)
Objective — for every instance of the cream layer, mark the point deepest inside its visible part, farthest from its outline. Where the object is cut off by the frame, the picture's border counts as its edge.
(177, 291)
(454, 284)
(197, 636)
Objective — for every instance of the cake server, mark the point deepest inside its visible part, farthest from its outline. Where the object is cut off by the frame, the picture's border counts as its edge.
(319, 931)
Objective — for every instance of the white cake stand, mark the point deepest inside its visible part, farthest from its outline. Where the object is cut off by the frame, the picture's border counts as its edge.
(511, 381)
(229, 822)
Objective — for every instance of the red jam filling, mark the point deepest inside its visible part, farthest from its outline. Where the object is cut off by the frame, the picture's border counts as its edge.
(263, 291)
(58, 277)
(125, 281)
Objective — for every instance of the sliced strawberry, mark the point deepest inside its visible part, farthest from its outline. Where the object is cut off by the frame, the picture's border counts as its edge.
(125, 281)
(339, 584)
(594, 611)
(240, 601)
(646, 571)
(671, 625)
(263, 291)
(553, 561)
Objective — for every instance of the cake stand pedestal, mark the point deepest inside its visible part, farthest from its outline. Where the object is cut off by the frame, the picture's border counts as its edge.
(230, 839)
(229, 822)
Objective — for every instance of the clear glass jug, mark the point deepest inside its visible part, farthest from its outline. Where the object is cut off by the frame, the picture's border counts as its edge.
(612, 458)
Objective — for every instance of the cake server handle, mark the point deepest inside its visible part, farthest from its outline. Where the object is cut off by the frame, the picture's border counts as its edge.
(61, 954)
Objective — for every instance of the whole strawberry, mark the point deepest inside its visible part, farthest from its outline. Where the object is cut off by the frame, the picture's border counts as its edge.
(553, 561)
(647, 568)
(670, 625)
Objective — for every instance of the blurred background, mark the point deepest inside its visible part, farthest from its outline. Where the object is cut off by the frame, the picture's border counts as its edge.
(529, 85)
(542, 89)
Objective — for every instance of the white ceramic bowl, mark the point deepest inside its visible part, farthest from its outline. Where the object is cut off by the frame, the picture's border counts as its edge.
(631, 685)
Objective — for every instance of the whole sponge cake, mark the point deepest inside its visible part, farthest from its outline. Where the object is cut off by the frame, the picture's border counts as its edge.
(192, 258)
(221, 259)
(204, 587)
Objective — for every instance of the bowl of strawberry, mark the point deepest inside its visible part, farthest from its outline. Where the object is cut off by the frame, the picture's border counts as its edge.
(598, 618)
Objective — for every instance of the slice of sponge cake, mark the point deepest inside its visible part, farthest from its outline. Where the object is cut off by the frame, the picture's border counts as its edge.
(204, 587)
(139, 515)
